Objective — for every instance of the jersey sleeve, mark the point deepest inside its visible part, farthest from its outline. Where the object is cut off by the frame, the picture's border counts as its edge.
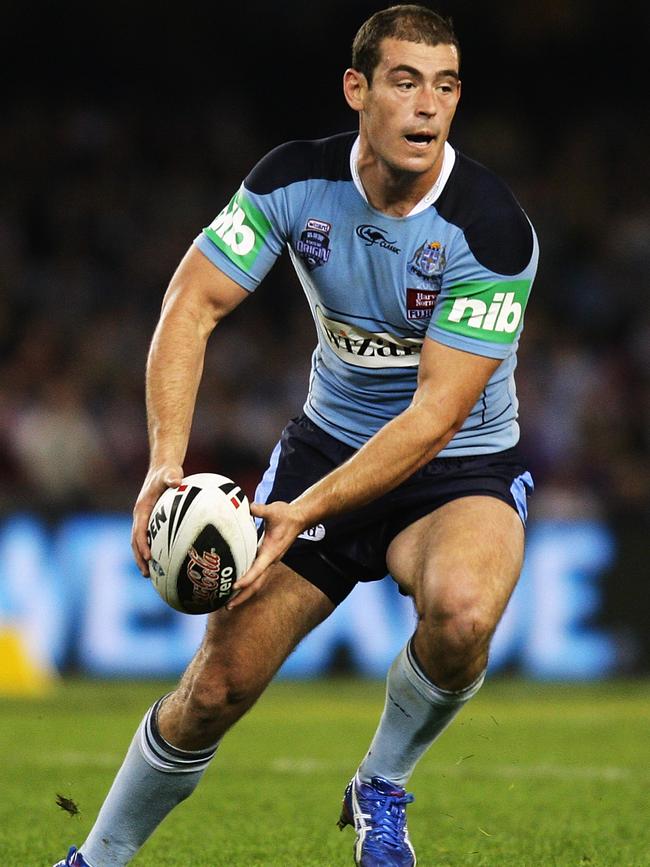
(487, 281)
(249, 234)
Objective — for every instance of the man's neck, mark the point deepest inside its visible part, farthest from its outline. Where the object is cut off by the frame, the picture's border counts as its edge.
(392, 192)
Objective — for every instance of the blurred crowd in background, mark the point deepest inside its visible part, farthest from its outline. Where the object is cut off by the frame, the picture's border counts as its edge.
(121, 152)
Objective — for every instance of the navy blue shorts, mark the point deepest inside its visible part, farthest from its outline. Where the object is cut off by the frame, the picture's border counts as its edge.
(352, 547)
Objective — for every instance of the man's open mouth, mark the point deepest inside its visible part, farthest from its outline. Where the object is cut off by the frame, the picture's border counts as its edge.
(420, 138)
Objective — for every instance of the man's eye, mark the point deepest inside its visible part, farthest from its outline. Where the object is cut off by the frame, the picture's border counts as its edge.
(405, 85)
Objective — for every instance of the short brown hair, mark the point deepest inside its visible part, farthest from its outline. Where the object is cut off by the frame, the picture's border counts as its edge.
(408, 22)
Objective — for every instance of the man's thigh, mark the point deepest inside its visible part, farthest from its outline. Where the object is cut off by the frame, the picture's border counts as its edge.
(465, 556)
(240, 653)
(257, 636)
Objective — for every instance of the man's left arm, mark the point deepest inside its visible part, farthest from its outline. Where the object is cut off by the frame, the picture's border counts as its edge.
(450, 382)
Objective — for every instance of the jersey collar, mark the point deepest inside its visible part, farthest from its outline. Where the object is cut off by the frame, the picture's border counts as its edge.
(448, 160)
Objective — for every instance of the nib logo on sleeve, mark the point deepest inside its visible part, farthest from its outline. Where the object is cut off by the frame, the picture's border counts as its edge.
(490, 311)
(503, 314)
(239, 230)
(233, 231)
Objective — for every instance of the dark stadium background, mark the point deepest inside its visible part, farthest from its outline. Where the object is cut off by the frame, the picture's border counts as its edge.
(126, 127)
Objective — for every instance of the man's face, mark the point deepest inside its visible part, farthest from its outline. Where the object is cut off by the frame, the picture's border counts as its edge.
(407, 111)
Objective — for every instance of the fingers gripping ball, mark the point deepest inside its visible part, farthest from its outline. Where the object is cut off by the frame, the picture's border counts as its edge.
(202, 538)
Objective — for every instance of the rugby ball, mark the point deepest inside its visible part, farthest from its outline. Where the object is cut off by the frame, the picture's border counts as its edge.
(202, 539)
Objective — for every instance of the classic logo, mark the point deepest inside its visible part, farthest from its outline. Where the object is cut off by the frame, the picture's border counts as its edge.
(420, 303)
(314, 244)
(362, 348)
(489, 310)
(428, 263)
(239, 230)
(373, 235)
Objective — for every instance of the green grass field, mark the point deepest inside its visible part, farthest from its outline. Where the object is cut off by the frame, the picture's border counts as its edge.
(529, 774)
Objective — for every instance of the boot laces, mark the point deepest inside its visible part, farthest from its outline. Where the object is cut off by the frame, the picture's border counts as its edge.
(389, 820)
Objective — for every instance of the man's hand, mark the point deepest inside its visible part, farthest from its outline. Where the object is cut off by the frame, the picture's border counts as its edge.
(282, 523)
(156, 481)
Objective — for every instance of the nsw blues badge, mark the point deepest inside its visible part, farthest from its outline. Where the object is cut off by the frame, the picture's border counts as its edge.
(428, 264)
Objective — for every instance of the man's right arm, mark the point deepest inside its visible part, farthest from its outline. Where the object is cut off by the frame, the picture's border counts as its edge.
(198, 297)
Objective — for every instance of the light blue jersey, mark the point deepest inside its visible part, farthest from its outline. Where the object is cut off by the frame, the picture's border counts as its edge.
(458, 270)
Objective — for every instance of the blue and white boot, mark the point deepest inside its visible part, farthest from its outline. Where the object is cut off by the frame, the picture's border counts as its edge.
(377, 811)
(73, 859)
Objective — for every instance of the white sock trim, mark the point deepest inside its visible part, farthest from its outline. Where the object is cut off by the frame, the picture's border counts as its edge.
(161, 755)
(428, 690)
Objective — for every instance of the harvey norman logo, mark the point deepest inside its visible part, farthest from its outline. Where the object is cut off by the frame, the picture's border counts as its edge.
(492, 311)
(362, 348)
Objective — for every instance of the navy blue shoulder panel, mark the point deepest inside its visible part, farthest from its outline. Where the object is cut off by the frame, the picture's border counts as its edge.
(326, 158)
(496, 229)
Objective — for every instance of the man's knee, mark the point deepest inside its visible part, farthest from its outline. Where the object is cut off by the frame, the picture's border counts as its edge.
(220, 689)
(457, 625)
(207, 702)
(241, 652)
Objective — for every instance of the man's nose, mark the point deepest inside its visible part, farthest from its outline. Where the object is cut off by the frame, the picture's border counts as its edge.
(427, 105)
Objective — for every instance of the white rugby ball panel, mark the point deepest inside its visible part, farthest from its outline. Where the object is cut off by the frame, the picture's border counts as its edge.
(202, 538)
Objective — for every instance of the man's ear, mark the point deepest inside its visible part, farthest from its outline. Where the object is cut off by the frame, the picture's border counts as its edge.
(355, 88)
